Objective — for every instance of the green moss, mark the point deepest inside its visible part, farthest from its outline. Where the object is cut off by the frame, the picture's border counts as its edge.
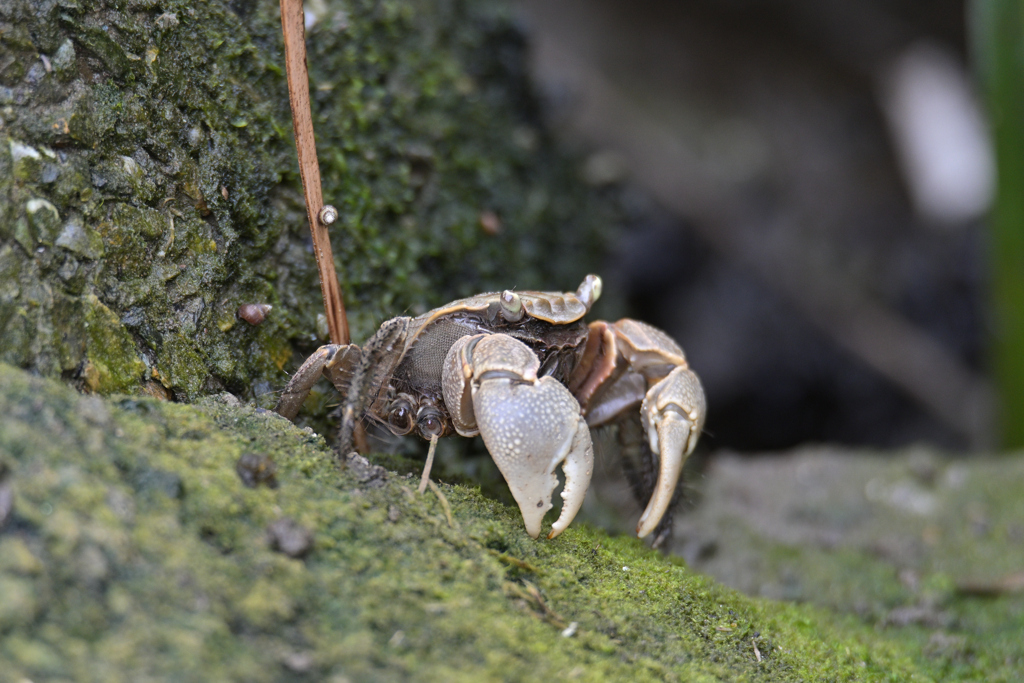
(152, 167)
(135, 551)
(110, 350)
(181, 365)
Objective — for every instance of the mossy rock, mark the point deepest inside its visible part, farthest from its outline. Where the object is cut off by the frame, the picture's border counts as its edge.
(922, 545)
(149, 185)
(131, 549)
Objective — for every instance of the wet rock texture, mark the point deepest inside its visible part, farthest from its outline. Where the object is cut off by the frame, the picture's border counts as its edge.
(149, 187)
(134, 551)
(924, 546)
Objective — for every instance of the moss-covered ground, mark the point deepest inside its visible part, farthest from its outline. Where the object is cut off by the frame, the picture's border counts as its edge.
(134, 551)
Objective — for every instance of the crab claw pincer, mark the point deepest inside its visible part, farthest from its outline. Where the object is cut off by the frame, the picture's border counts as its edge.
(673, 415)
(530, 425)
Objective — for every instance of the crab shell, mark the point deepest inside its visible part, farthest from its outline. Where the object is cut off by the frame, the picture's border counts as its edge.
(550, 323)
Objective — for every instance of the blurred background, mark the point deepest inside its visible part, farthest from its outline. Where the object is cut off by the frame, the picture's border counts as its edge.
(806, 186)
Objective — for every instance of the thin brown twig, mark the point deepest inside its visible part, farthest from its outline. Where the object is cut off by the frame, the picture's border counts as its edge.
(293, 27)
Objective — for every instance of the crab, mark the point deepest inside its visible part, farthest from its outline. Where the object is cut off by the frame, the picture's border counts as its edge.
(525, 372)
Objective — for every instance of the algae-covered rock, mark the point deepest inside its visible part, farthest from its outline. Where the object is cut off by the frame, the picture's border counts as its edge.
(149, 186)
(139, 545)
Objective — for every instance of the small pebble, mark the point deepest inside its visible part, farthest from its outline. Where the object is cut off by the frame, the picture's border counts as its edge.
(167, 20)
(299, 662)
(255, 469)
(289, 537)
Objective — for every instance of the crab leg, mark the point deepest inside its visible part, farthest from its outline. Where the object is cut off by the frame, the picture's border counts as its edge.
(629, 363)
(302, 381)
(360, 370)
(530, 425)
(673, 414)
(369, 369)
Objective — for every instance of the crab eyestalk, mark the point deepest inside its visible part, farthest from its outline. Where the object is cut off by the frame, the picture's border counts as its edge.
(400, 417)
(429, 422)
(511, 306)
(589, 290)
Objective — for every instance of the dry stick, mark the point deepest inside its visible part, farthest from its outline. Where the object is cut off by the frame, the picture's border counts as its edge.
(293, 27)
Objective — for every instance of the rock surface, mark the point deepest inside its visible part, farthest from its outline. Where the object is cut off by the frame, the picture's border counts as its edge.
(924, 547)
(149, 186)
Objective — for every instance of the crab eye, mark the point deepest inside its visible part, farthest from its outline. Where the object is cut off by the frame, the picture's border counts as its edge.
(429, 423)
(400, 418)
(511, 306)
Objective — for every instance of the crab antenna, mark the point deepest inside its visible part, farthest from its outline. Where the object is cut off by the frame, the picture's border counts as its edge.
(320, 216)
(425, 478)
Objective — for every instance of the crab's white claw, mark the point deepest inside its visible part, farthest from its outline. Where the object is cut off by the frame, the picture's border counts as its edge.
(530, 425)
(578, 467)
(529, 429)
(673, 415)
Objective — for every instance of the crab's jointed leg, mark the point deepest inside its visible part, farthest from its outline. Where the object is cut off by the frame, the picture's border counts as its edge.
(355, 372)
(530, 425)
(330, 359)
(375, 362)
(673, 415)
(629, 363)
